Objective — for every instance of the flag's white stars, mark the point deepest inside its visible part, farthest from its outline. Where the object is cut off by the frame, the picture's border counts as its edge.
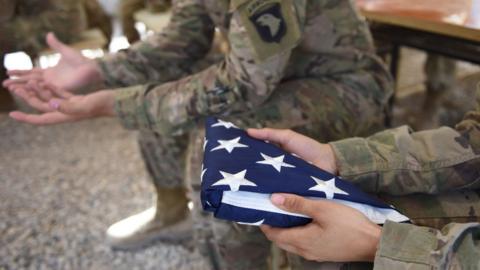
(224, 124)
(203, 173)
(229, 145)
(276, 162)
(258, 223)
(205, 144)
(234, 180)
(327, 187)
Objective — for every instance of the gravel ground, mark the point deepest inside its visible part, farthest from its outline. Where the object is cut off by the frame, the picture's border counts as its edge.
(60, 188)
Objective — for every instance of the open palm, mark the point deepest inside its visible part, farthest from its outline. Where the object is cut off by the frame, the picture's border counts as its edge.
(73, 72)
(59, 106)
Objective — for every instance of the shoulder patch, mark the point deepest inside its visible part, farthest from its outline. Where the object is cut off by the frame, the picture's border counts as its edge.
(270, 23)
(272, 26)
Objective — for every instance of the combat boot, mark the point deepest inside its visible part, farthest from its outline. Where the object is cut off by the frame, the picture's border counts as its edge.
(169, 221)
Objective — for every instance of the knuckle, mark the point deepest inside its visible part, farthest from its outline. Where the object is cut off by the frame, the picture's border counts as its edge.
(293, 203)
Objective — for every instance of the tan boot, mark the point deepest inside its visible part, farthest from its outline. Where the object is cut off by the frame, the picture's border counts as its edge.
(168, 221)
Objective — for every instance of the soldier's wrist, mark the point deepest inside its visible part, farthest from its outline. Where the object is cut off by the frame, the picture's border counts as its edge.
(95, 76)
(327, 160)
(373, 235)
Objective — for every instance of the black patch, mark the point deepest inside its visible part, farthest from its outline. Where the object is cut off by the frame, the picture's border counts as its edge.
(270, 23)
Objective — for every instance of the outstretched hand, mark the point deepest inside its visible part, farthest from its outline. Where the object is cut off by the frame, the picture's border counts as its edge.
(73, 71)
(337, 233)
(59, 106)
(321, 155)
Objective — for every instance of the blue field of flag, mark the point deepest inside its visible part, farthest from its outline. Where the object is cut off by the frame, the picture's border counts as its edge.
(240, 173)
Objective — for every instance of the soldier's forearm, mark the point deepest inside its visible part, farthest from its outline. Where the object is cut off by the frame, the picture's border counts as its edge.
(172, 107)
(406, 246)
(399, 162)
(166, 56)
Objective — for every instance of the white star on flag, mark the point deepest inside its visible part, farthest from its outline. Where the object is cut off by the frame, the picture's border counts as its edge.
(258, 223)
(327, 187)
(205, 144)
(203, 173)
(234, 180)
(224, 124)
(276, 162)
(229, 145)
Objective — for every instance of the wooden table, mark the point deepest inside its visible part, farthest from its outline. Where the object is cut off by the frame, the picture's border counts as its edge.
(446, 27)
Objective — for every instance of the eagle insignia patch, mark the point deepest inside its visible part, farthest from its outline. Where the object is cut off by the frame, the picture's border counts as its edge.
(272, 26)
(270, 23)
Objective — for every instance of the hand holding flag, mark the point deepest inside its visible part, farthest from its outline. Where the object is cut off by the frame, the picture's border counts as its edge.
(337, 233)
(240, 173)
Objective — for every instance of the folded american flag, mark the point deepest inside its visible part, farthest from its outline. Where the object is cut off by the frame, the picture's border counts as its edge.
(240, 173)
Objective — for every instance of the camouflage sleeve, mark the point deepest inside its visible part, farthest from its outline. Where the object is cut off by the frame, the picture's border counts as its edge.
(165, 56)
(406, 246)
(400, 162)
(242, 81)
(34, 19)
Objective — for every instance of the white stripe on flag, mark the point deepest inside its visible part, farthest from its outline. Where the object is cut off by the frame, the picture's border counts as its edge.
(261, 202)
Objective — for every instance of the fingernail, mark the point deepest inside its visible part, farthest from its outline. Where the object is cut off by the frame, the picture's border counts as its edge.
(54, 104)
(278, 199)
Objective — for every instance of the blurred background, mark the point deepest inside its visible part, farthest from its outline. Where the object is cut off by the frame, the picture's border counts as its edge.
(62, 186)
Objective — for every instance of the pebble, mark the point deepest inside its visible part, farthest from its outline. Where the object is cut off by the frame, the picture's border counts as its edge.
(62, 186)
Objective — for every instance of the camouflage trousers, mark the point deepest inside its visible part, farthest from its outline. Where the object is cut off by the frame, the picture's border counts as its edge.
(325, 109)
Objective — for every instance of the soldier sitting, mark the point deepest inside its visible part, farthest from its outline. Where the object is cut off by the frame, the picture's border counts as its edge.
(307, 65)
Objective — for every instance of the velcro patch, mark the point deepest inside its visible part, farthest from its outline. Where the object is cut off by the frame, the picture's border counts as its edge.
(272, 26)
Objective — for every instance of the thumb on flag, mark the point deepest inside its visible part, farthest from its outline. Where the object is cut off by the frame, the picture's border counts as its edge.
(294, 204)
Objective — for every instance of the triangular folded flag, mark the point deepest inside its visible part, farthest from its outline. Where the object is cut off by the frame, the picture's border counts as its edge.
(240, 173)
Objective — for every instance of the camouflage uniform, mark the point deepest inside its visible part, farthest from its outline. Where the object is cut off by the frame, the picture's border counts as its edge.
(25, 23)
(128, 9)
(313, 69)
(446, 162)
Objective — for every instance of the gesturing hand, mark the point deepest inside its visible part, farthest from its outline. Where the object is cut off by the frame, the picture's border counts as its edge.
(73, 71)
(337, 233)
(63, 106)
(321, 155)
